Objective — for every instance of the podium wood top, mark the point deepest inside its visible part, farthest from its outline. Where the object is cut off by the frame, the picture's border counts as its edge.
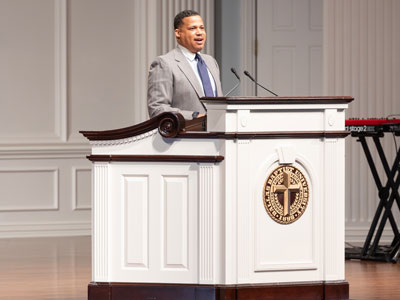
(172, 124)
(169, 125)
(279, 100)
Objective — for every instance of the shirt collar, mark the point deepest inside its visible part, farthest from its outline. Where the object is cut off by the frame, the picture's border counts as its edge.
(188, 54)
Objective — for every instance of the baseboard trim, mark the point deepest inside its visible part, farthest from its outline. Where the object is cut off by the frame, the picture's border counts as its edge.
(289, 291)
(358, 234)
(45, 230)
(353, 235)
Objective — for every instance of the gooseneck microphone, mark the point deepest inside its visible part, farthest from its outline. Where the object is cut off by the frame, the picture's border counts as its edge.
(233, 70)
(252, 79)
(237, 84)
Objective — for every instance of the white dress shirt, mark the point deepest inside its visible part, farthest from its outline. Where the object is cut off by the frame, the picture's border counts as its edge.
(190, 56)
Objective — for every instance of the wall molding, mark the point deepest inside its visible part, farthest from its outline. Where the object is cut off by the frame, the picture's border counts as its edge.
(358, 234)
(60, 71)
(60, 81)
(56, 183)
(361, 47)
(291, 26)
(75, 204)
(76, 138)
(44, 151)
(45, 229)
(248, 41)
(56, 145)
(145, 14)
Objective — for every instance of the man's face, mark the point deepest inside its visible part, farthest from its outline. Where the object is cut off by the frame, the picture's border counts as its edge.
(191, 34)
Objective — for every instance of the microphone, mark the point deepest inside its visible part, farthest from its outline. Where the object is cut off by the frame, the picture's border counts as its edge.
(252, 79)
(237, 84)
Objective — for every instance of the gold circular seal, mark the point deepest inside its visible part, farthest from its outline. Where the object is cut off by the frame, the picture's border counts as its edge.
(286, 194)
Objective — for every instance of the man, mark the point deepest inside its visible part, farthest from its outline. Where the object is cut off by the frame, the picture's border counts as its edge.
(179, 78)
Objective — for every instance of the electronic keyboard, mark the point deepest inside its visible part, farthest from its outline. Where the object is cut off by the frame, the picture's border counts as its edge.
(373, 125)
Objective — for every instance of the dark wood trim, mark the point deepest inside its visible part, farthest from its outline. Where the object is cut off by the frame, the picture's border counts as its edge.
(312, 291)
(288, 291)
(198, 124)
(263, 135)
(169, 124)
(336, 290)
(172, 124)
(278, 100)
(156, 158)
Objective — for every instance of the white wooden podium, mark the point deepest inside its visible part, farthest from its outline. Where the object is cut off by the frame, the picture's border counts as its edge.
(251, 208)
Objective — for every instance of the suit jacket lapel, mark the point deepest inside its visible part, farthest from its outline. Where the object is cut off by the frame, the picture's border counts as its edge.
(186, 69)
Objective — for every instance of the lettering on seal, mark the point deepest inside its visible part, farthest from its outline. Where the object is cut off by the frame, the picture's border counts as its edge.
(285, 194)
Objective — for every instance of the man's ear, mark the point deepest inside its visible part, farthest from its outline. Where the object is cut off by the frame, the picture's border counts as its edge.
(177, 33)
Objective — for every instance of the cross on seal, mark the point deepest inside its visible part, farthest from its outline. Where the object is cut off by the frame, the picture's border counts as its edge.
(286, 188)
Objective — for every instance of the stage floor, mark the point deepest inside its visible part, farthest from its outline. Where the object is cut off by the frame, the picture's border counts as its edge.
(59, 269)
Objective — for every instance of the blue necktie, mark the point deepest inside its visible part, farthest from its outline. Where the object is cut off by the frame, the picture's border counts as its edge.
(205, 79)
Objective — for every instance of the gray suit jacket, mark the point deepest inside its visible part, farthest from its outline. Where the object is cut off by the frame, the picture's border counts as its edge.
(173, 86)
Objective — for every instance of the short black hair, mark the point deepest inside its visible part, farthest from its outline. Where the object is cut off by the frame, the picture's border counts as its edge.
(178, 20)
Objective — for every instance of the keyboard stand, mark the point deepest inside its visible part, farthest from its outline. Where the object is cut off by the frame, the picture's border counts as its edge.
(388, 194)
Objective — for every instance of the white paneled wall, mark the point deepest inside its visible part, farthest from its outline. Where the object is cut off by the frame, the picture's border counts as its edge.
(248, 42)
(289, 35)
(362, 59)
(70, 65)
(31, 54)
